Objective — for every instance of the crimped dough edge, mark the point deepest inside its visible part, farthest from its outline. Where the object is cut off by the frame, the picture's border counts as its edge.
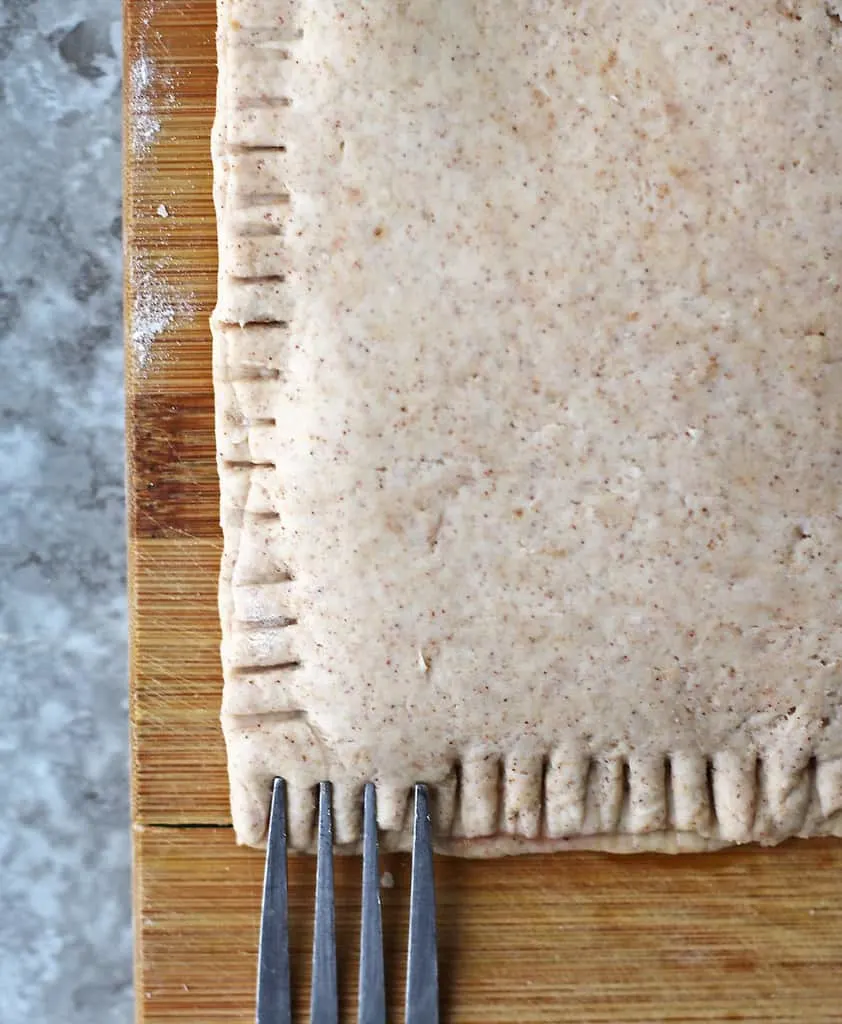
(486, 802)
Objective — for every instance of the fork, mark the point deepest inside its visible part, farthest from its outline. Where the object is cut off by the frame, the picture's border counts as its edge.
(274, 1003)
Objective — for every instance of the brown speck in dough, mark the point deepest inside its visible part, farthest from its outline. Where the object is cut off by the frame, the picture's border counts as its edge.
(609, 62)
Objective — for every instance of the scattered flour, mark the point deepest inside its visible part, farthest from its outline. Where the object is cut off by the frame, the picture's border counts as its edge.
(150, 89)
(155, 308)
(145, 125)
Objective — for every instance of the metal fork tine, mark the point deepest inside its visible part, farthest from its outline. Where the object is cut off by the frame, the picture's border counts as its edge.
(273, 991)
(422, 983)
(372, 997)
(324, 998)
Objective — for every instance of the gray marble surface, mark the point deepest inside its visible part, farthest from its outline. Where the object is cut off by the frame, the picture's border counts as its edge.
(65, 937)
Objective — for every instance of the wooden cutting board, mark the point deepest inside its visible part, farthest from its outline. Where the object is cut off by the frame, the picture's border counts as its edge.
(752, 935)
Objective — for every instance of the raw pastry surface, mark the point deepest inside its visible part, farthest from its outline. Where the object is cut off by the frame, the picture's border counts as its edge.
(528, 375)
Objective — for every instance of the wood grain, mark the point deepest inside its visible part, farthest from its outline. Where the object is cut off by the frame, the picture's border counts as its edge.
(174, 538)
(584, 937)
(752, 935)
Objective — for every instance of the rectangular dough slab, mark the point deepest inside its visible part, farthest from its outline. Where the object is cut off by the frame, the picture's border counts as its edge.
(528, 371)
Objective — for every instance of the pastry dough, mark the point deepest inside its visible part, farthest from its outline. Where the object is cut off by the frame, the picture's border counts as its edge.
(528, 372)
